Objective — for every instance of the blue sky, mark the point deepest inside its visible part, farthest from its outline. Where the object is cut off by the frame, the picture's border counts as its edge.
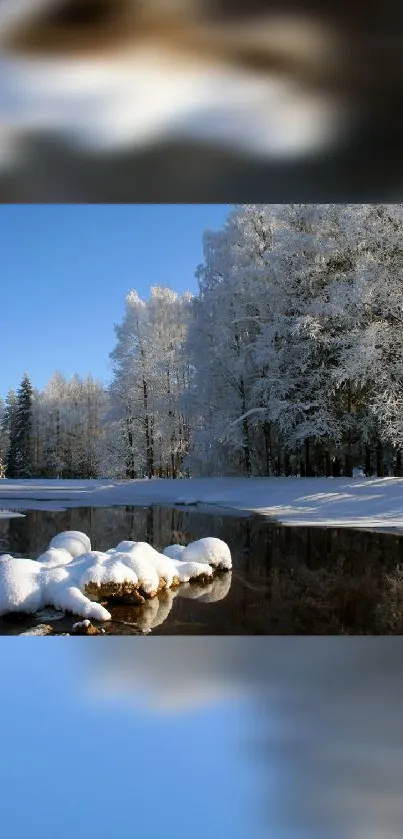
(75, 768)
(66, 270)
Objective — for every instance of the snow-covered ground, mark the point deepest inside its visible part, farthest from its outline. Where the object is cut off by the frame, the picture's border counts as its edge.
(333, 502)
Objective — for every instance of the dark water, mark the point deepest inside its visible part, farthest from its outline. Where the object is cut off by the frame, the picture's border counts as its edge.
(284, 580)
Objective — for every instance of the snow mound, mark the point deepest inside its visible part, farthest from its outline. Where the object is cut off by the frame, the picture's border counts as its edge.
(174, 551)
(55, 556)
(20, 585)
(210, 550)
(68, 573)
(124, 546)
(72, 541)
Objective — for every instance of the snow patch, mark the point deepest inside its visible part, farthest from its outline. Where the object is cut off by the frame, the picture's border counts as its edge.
(210, 550)
(11, 514)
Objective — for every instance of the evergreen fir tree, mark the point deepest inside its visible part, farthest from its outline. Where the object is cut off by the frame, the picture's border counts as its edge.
(21, 442)
(8, 421)
(2, 440)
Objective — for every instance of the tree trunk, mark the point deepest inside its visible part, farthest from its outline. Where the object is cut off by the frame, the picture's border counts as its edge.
(130, 471)
(368, 468)
(328, 469)
(379, 460)
(267, 446)
(150, 525)
(148, 432)
(336, 467)
(245, 428)
(308, 468)
(287, 465)
(348, 466)
(398, 467)
(151, 449)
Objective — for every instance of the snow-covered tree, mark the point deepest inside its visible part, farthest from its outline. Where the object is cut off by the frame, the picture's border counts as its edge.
(296, 340)
(69, 427)
(288, 361)
(151, 379)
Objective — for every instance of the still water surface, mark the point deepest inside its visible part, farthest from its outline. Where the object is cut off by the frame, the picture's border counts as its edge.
(285, 580)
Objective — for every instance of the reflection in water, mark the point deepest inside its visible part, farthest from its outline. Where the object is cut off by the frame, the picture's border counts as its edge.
(211, 592)
(155, 612)
(284, 580)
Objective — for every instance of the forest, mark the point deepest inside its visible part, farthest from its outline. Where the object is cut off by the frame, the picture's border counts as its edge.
(287, 361)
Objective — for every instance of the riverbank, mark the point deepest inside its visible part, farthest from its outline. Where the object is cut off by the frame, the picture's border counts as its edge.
(369, 503)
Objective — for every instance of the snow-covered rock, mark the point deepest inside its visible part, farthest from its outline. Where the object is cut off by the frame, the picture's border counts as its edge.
(210, 550)
(138, 563)
(191, 570)
(69, 574)
(84, 628)
(81, 625)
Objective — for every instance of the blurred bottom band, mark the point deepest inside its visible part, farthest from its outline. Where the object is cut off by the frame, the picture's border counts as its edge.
(370, 169)
(325, 718)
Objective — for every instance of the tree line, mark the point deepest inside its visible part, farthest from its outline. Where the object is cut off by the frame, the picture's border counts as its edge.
(288, 361)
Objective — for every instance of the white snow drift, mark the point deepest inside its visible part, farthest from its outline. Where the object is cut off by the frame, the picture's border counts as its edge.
(60, 575)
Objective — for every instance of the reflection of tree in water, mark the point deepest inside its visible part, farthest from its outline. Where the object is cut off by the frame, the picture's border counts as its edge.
(150, 526)
(21, 537)
(4, 535)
